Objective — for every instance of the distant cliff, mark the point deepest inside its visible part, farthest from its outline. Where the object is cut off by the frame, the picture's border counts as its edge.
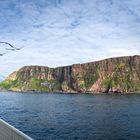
(113, 75)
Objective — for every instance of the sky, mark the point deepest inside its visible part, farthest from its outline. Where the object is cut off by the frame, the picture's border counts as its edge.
(63, 32)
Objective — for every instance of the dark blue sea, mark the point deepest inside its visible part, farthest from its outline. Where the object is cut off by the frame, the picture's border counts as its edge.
(73, 116)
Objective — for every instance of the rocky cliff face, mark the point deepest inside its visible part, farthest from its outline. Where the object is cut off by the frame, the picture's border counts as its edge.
(117, 75)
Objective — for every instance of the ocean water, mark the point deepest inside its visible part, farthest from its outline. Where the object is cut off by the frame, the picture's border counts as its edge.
(73, 116)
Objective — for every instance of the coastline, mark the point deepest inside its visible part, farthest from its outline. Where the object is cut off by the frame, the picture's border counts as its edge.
(64, 92)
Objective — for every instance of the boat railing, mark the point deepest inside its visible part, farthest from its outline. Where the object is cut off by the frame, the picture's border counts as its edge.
(8, 132)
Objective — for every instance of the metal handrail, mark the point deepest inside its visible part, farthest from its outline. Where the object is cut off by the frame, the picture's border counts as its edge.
(8, 132)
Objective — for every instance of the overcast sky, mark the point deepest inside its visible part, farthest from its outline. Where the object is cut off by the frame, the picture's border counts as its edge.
(63, 32)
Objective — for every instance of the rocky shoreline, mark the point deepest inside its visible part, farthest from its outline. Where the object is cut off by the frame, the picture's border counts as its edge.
(62, 92)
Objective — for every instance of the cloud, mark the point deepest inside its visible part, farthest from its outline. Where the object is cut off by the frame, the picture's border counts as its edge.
(63, 32)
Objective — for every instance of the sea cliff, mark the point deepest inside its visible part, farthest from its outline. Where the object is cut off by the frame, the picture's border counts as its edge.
(113, 75)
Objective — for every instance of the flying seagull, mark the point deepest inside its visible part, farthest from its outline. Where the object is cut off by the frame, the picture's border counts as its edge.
(12, 48)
